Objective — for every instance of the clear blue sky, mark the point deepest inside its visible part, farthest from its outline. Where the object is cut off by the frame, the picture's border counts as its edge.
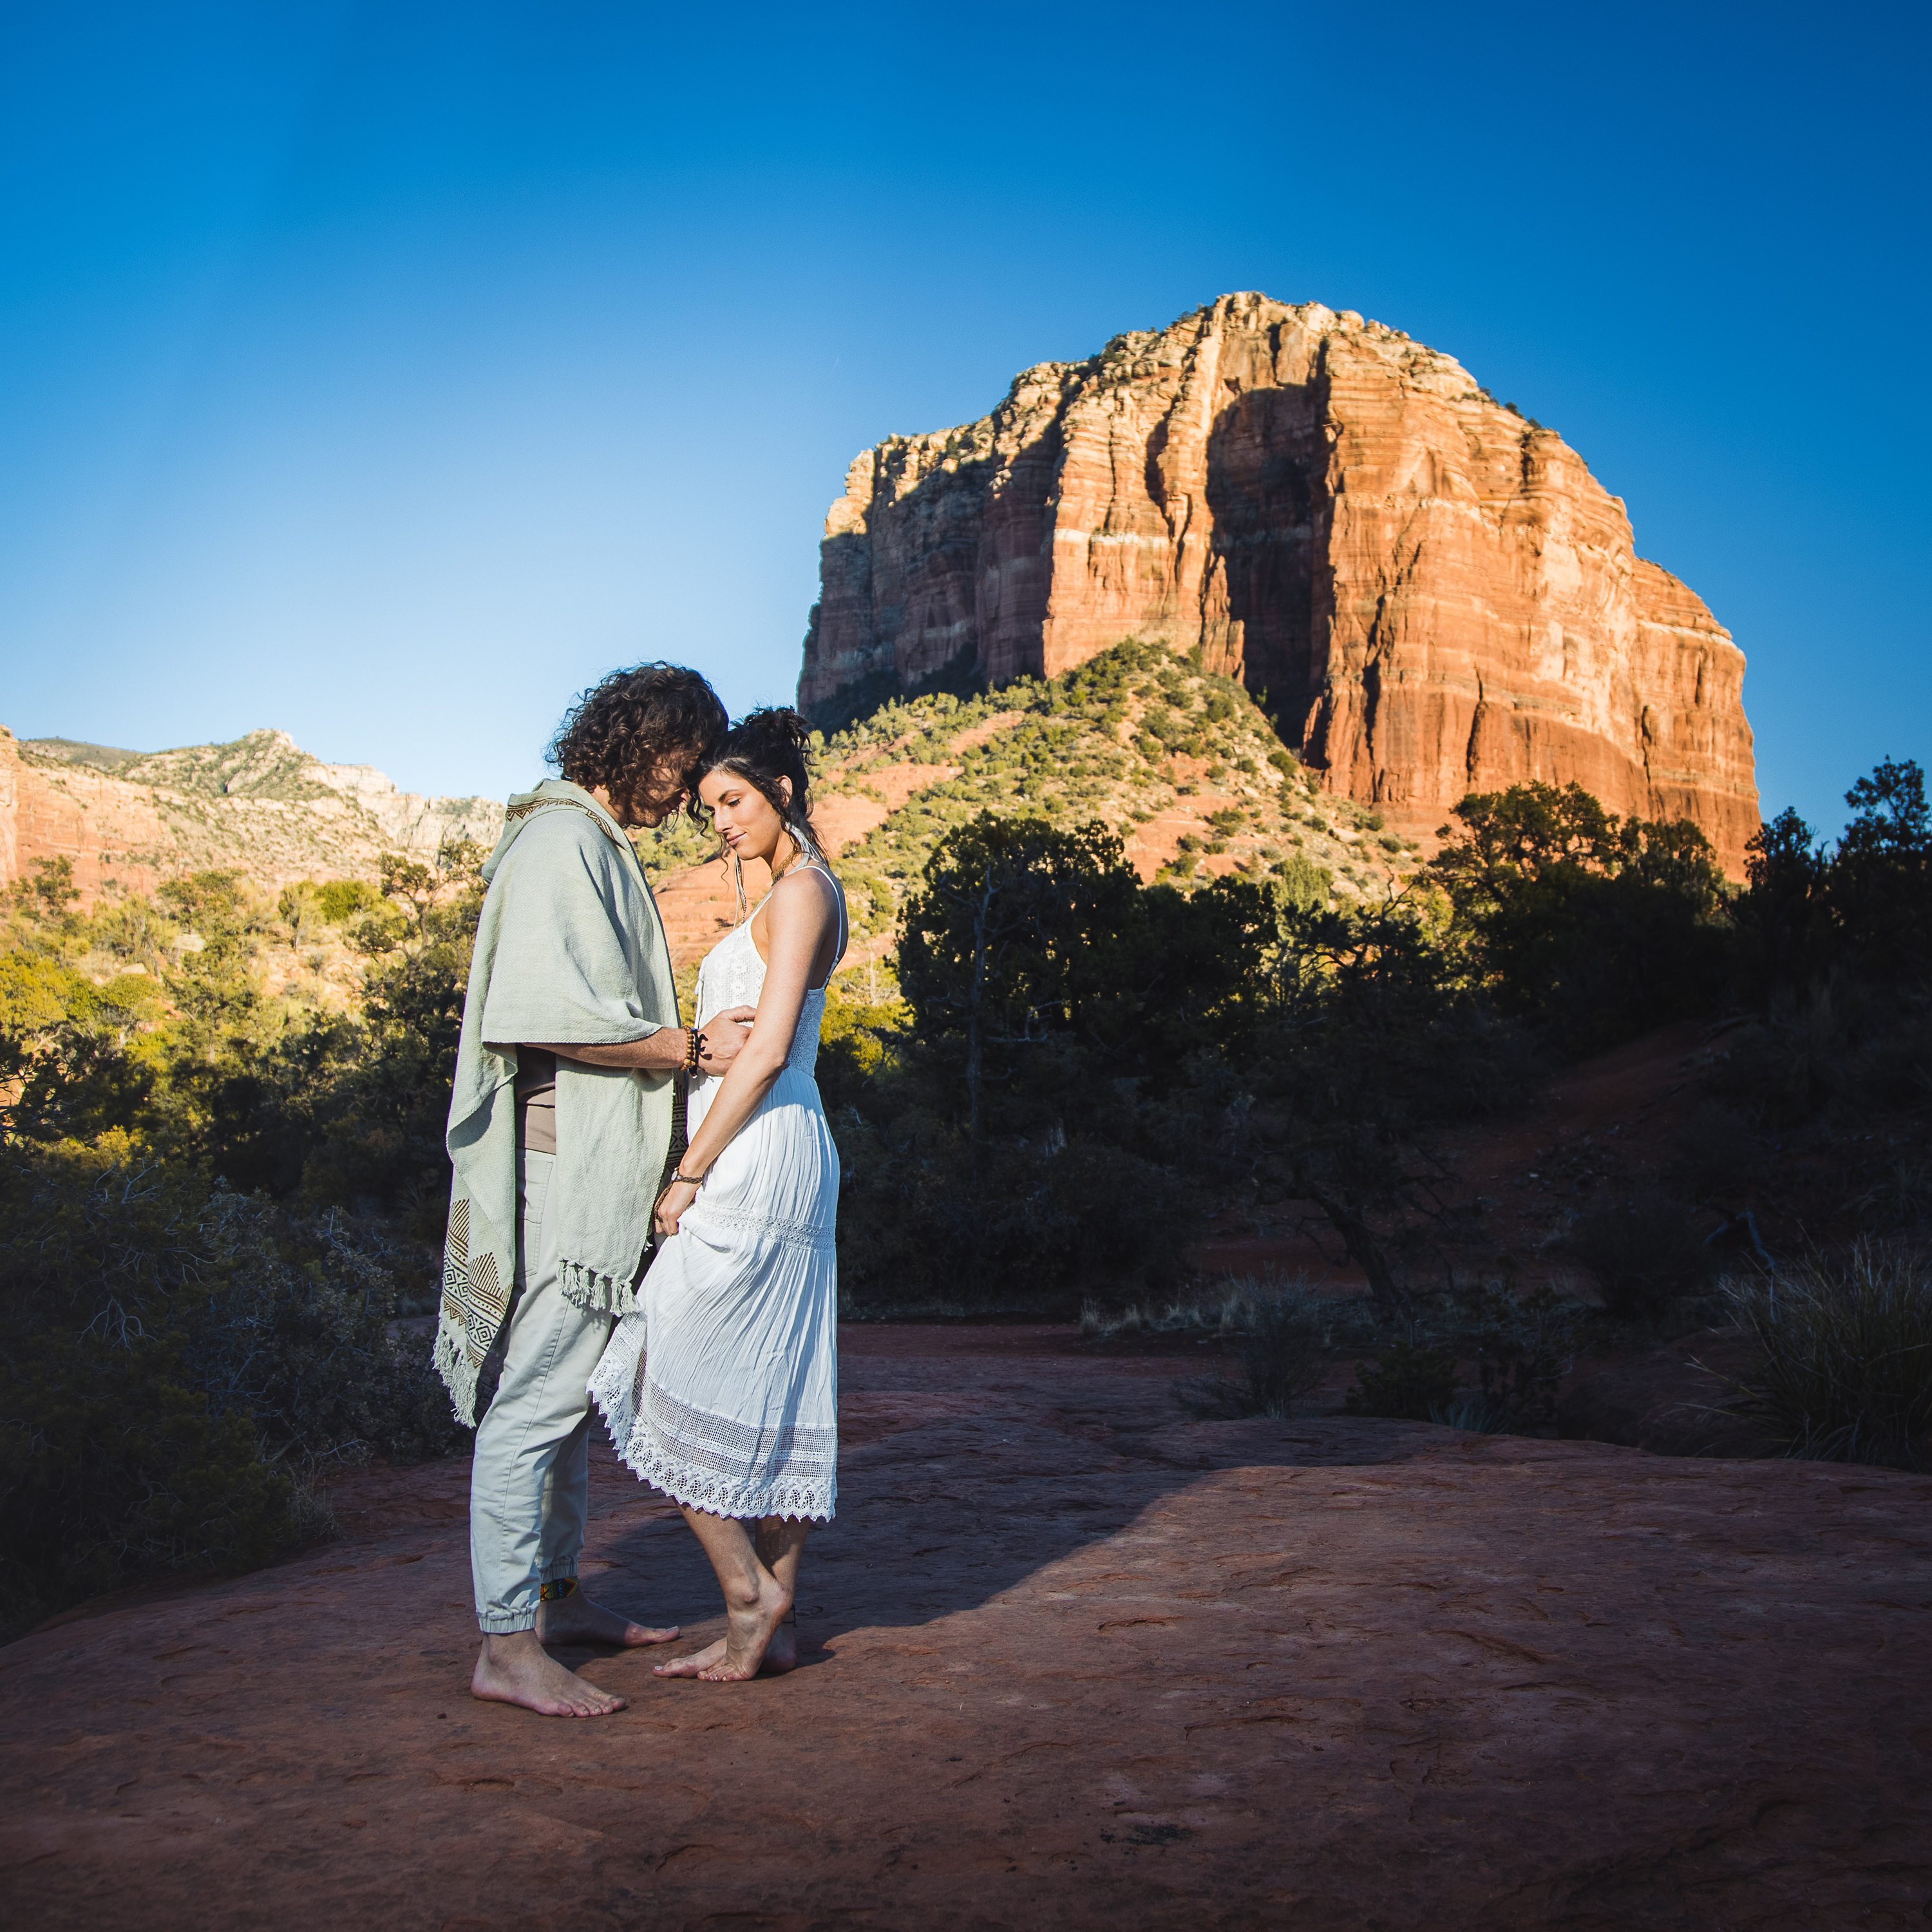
(387, 372)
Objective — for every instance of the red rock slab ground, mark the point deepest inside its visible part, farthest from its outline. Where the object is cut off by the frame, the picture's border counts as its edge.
(1073, 1660)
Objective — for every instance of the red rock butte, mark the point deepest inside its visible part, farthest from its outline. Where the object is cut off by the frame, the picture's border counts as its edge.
(1435, 594)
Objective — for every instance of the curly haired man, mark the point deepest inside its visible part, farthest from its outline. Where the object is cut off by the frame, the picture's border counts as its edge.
(559, 1126)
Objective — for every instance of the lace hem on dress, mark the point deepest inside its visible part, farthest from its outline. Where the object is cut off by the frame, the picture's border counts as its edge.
(711, 1462)
(811, 1499)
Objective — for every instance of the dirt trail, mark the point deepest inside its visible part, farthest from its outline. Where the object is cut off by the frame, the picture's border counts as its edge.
(1071, 1660)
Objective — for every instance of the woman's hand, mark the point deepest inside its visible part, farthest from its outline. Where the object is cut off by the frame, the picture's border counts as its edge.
(671, 1203)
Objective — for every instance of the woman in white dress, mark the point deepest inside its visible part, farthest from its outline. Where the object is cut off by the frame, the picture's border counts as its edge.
(722, 1390)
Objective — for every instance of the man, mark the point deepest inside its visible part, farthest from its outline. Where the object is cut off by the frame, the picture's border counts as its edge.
(559, 1126)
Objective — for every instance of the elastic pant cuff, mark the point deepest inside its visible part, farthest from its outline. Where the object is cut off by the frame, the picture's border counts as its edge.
(505, 1623)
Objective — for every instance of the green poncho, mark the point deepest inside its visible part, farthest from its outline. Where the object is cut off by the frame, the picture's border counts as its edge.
(569, 949)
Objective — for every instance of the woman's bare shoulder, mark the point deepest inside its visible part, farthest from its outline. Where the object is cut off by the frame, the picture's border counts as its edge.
(805, 894)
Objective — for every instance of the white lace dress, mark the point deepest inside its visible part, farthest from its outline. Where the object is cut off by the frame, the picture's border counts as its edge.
(722, 1390)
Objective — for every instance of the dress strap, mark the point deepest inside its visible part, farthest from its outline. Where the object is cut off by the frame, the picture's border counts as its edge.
(845, 923)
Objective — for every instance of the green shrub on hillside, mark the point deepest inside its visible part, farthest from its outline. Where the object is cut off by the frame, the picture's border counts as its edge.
(343, 900)
(1411, 1382)
(182, 1362)
(1280, 1356)
(1644, 1252)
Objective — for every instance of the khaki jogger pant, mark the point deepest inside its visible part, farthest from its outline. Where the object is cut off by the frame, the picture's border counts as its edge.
(530, 1484)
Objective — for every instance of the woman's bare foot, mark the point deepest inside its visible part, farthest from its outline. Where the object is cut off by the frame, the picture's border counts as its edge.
(780, 1655)
(754, 1621)
(576, 1619)
(751, 1625)
(695, 1665)
(515, 1669)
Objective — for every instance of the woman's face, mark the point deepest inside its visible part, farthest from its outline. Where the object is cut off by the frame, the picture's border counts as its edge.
(742, 814)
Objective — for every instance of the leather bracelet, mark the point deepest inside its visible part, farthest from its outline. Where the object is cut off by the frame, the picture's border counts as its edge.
(689, 1179)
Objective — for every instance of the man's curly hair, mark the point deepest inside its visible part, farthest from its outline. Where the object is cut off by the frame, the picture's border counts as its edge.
(622, 733)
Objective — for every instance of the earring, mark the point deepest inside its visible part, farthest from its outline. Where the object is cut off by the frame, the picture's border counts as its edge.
(738, 884)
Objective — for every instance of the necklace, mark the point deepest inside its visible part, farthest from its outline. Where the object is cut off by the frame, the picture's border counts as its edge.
(800, 857)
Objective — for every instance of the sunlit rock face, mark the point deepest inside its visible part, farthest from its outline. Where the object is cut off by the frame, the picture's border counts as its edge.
(1434, 594)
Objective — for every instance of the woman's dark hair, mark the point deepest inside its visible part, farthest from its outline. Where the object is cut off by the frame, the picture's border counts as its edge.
(762, 747)
(621, 733)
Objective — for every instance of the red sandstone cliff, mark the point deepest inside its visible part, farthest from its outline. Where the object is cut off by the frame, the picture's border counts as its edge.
(1436, 594)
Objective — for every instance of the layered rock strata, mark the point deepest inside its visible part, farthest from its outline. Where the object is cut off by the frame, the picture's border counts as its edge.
(128, 820)
(1435, 594)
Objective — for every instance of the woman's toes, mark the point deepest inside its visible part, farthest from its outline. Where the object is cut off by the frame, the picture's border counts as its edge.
(695, 1665)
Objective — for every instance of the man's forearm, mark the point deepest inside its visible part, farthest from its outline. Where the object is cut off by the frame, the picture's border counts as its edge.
(663, 1051)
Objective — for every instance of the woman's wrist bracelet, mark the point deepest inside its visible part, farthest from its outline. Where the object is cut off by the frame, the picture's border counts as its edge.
(689, 1179)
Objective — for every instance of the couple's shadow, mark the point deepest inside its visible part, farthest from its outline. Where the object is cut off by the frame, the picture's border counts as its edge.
(923, 1534)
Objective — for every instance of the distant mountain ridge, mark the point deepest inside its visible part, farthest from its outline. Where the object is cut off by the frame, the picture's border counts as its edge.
(1180, 761)
(127, 819)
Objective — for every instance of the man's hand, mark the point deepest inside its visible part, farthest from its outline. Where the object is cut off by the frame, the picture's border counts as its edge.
(724, 1038)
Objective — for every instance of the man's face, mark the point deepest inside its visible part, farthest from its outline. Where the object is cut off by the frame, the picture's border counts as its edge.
(662, 790)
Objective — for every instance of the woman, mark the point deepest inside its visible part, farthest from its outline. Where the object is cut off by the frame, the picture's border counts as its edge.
(722, 1390)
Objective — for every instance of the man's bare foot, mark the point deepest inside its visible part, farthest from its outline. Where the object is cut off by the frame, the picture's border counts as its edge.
(781, 1653)
(576, 1619)
(515, 1669)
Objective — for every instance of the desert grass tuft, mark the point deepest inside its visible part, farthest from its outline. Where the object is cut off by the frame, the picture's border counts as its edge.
(1843, 1371)
(1279, 1338)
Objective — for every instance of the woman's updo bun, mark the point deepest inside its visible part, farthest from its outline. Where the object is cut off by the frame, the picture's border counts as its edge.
(763, 747)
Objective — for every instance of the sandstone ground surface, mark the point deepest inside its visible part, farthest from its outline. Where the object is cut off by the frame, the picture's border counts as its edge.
(1071, 1660)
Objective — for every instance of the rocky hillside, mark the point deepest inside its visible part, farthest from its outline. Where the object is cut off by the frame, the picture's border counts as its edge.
(1431, 590)
(1177, 758)
(262, 804)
